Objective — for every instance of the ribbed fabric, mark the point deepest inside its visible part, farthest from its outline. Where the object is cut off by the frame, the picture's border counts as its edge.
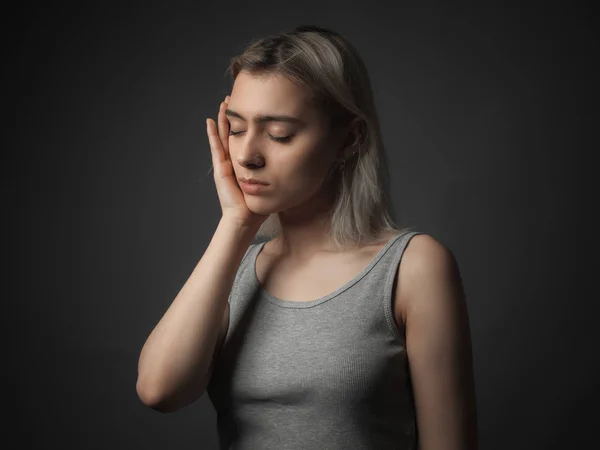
(331, 373)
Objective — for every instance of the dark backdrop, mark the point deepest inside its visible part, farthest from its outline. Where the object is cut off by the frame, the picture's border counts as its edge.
(109, 203)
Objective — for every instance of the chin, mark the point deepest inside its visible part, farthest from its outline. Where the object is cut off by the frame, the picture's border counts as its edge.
(259, 205)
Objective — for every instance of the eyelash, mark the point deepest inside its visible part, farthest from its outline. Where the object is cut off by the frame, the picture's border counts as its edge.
(276, 139)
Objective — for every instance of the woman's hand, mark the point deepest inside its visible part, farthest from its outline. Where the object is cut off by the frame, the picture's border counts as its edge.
(233, 204)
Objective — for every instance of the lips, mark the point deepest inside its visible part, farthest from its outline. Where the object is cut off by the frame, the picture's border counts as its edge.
(252, 181)
(253, 188)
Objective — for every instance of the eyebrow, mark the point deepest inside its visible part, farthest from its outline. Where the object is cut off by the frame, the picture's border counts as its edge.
(260, 118)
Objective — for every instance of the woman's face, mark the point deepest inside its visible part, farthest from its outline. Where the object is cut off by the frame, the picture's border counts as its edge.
(293, 156)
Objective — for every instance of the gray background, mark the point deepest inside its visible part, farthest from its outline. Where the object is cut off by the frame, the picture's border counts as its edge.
(109, 203)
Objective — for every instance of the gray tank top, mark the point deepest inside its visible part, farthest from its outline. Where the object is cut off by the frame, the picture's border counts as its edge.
(330, 373)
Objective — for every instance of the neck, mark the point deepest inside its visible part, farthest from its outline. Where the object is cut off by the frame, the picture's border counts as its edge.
(304, 228)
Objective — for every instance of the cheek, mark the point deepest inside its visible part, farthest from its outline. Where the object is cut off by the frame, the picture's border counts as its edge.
(304, 176)
(318, 165)
(301, 164)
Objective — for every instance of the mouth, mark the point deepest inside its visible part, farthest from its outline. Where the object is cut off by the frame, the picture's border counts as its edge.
(252, 188)
(252, 181)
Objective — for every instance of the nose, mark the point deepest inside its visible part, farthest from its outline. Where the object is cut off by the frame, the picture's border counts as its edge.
(247, 154)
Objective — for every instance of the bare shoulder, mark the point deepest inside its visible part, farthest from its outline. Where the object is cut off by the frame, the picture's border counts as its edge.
(438, 343)
(428, 272)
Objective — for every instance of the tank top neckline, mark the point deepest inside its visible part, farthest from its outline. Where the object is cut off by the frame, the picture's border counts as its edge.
(310, 303)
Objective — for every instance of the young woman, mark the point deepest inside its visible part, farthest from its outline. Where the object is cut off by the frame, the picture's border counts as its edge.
(341, 330)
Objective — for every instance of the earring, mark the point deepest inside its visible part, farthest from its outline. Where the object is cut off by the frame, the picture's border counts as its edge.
(343, 163)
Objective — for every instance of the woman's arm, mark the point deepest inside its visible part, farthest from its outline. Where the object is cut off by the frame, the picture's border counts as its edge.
(431, 299)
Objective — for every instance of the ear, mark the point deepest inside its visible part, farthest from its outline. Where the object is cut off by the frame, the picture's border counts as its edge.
(351, 140)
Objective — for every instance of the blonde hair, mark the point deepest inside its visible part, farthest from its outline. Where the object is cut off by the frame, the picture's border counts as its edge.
(331, 68)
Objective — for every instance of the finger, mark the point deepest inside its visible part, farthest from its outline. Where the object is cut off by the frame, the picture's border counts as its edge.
(214, 142)
(224, 129)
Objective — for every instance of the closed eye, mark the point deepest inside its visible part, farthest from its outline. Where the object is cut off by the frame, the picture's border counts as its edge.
(274, 138)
